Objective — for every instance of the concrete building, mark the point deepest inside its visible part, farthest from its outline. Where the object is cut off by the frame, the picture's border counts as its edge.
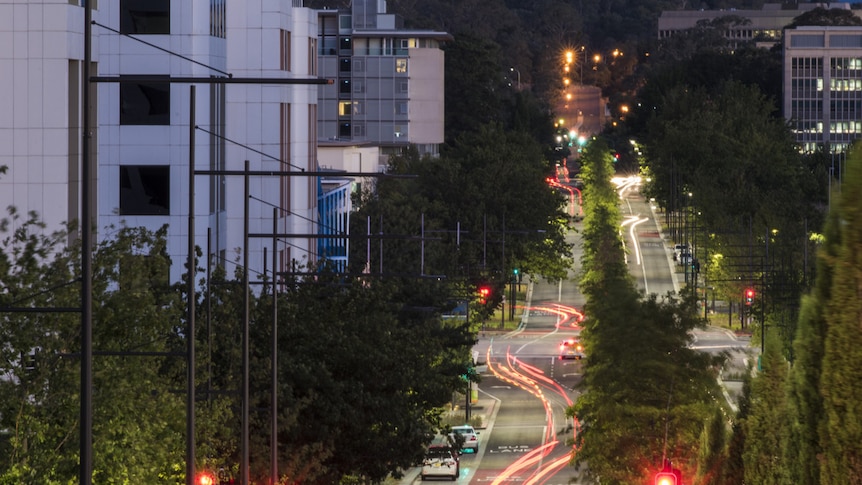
(762, 26)
(823, 86)
(388, 94)
(141, 126)
(388, 88)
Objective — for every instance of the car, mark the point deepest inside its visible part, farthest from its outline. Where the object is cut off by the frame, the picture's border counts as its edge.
(684, 258)
(678, 250)
(466, 437)
(441, 461)
(571, 348)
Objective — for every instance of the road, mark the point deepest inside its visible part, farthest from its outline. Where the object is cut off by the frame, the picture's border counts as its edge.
(527, 386)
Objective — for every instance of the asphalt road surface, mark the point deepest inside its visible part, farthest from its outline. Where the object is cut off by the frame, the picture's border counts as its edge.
(528, 436)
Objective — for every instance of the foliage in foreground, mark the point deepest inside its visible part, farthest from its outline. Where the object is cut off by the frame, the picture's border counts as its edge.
(363, 369)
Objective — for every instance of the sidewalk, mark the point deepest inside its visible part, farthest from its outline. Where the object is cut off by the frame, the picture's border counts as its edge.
(484, 410)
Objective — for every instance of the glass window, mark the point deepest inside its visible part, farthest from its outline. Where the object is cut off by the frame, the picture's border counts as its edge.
(327, 47)
(401, 65)
(145, 103)
(344, 108)
(344, 130)
(145, 16)
(345, 21)
(145, 190)
(344, 64)
(344, 86)
(345, 44)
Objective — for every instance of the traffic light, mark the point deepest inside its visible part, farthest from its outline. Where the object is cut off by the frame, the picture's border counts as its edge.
(749, 296)
(484, 293)
(665, 478)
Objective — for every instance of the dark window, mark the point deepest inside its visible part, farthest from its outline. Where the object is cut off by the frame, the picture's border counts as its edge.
(146, 103)
(345, 44)
(145, 16)
(344, 64)
(344, 86)
(145, 190)
(344, 130)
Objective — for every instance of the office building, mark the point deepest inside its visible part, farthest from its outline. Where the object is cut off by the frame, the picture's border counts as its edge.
(764, 26)
(141, 120)
(823, 86)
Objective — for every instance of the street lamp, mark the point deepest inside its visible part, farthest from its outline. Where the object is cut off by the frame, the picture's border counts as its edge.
(512, 69)
(583, 56)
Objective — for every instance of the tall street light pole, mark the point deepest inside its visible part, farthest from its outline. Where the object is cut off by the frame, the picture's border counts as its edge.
(512, 69)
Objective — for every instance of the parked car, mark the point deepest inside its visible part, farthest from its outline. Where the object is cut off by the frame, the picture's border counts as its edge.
(684, 259)
(678, 250)
(441, 461)
(571, 349)
(465, 437)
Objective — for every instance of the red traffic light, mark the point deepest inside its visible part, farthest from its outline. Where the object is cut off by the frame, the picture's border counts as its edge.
(749, 296)
(665, 478)
(484, 293)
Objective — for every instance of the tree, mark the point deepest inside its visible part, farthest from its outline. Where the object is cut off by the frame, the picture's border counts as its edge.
(638, 356)
(135, 313)
(827, 17)
(765, 424)
(842, 398)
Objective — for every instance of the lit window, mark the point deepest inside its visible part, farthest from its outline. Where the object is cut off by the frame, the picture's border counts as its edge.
(401, 65)
(344, 108)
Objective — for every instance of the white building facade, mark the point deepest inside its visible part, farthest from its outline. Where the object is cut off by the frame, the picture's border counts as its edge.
(141, 127)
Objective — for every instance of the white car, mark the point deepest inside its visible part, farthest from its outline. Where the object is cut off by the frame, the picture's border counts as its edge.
(466, 437)
(441, 461)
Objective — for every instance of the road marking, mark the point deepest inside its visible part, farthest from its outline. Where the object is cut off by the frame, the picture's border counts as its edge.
(512, 449)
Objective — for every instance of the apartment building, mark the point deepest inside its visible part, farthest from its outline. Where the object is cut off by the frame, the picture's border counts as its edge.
(141, 120)
(823, 86)
(388, 89)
